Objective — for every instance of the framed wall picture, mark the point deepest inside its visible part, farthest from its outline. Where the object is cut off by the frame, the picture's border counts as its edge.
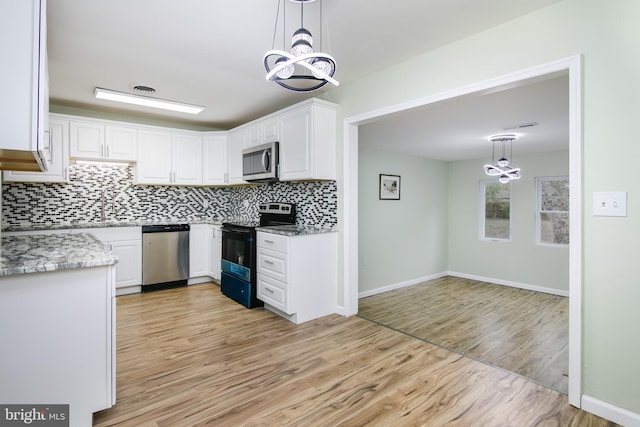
(389, 187)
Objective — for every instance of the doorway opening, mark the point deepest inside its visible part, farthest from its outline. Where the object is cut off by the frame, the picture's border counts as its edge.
(570, 66)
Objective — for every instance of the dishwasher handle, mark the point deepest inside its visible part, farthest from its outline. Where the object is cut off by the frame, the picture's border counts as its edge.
(165, 228)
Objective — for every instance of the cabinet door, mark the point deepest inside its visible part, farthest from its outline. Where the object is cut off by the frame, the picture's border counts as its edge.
(187, 159)
(154, 158)
(215, 251)
(199, 250)
(295, 144)
(129, 266)
(121, 143)
(57, 165)
(24, 101)
(235, 142)
(270, 131)
(214, 148)
(254, 135)
(86, 140)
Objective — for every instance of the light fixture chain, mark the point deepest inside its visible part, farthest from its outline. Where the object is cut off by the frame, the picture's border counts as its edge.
(275, 27)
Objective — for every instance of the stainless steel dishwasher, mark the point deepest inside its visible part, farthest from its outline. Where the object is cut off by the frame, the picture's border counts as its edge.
(165, 256)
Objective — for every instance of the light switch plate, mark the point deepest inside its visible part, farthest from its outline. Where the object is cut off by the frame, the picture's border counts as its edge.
(610, 203)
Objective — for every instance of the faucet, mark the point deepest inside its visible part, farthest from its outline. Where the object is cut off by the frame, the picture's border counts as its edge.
(103, 194)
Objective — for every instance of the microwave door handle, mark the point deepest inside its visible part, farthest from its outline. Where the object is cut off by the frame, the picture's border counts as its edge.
(265, 160)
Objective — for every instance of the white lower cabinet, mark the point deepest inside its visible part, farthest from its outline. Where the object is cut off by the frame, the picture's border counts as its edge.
(199, 251)
(215, 252)
(205, 251)
(126, 244)
(297, 275)
(58, 340)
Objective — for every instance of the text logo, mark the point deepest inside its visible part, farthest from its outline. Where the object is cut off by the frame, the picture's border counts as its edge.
(34, 415)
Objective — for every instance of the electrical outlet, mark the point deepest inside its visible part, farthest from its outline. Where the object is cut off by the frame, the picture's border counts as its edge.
(610, 203)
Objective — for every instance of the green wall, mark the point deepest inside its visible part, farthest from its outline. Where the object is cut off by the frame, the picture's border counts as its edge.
(521, 260)
(607, 35)
(406, 239)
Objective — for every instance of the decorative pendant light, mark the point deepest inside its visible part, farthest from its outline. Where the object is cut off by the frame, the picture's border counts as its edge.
(502, 169)
(301, 69)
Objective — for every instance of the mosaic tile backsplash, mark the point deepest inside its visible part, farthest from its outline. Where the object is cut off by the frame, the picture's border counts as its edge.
(81, 200)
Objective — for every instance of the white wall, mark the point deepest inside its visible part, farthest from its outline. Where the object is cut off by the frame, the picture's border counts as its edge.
(406, 239)
(607, 35)
(520, 261)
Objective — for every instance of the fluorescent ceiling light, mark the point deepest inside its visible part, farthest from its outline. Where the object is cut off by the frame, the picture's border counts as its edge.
(146, 101)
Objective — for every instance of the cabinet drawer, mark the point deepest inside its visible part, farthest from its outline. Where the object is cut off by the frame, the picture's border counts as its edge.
(274, 242)
(272, 264)
(274, 293)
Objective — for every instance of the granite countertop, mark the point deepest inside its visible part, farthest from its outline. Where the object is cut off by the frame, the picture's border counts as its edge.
(51, 252)
(94, 224)
(295, 230)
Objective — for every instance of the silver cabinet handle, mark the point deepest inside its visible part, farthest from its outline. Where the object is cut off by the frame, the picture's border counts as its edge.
(266, 261)
(108, 152)
(268, 290)
(271, 242)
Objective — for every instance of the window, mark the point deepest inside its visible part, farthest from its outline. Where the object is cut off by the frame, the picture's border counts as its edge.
(552, 219)
(496, 210)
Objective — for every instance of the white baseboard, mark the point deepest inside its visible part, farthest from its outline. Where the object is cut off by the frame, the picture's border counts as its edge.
(610, 412)
(128, 290)
(511, 284)
(464, 276)
(401, 285)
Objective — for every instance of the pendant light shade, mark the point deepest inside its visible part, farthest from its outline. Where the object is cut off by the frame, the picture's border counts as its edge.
(502, 169)
(300, 69)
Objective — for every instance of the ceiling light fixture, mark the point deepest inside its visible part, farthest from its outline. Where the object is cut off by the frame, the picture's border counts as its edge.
(302, 69)
(502, 169)
(146, 101)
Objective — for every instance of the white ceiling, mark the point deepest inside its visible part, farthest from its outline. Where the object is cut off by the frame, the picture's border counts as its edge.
(209, 52)
(458, 128)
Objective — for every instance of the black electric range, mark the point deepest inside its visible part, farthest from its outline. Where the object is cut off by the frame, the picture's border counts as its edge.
(238, 265)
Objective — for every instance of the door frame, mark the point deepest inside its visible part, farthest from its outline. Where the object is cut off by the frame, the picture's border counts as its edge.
(573, 66)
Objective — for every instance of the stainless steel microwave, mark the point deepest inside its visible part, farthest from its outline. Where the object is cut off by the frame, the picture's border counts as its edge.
(260, 163)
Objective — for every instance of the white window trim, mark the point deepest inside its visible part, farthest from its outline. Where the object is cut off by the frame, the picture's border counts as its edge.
(539, 181)
(483, 184)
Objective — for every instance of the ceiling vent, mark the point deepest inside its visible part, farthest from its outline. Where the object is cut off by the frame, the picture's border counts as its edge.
(144, 89)
(522, 125)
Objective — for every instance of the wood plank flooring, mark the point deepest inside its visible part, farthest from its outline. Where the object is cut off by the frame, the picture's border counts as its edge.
(191, 357)
(522, 331)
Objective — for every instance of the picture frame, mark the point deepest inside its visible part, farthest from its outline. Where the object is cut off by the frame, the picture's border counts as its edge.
(389, 187)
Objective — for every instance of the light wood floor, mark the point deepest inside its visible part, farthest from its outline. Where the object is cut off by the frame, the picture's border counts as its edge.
(190, 356)
(522, 331)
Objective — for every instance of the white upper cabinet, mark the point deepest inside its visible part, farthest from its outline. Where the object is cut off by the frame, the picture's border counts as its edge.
(94, 140)
(214, 148)
(187, 159)
(154, 158)
(57, 163)
(235, 142)
(308, 142)
(121, 143)
(24, 86)
(262, 131)
(166, 158)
